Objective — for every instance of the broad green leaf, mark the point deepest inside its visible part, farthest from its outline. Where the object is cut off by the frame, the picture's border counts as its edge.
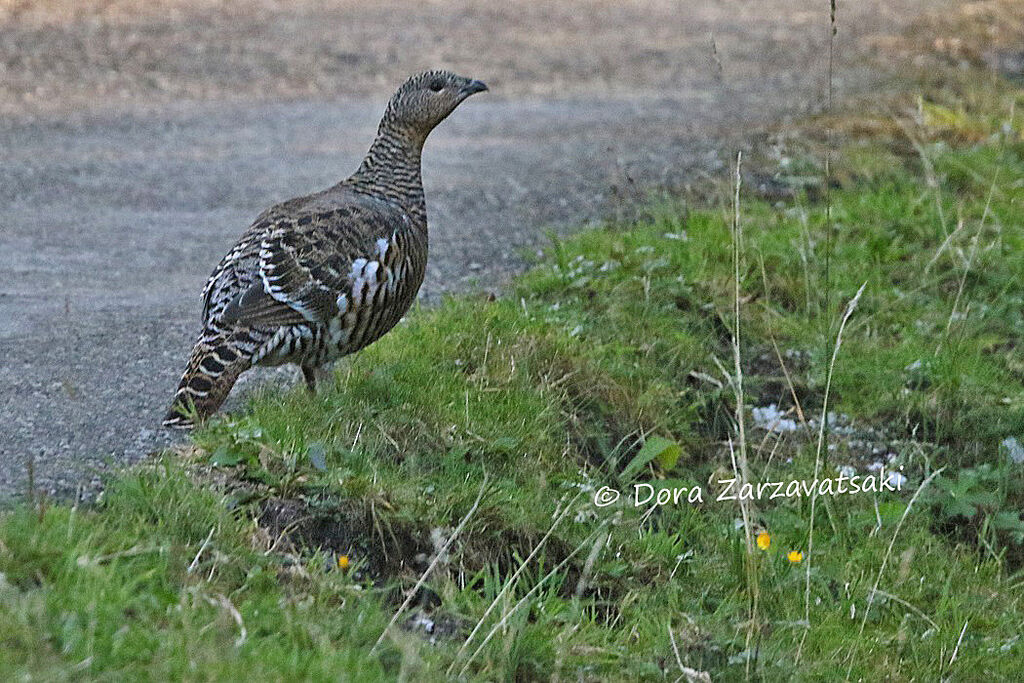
(658, 448)
(317, 455)
(222, 457)
(505, 443)
(1008, 521)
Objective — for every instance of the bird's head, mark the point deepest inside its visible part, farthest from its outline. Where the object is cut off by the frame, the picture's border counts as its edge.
(427, 99)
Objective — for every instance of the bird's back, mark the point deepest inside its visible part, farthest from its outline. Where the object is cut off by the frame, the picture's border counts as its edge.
(340, 262)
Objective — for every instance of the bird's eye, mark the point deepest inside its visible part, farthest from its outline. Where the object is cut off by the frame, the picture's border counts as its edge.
(437, 85)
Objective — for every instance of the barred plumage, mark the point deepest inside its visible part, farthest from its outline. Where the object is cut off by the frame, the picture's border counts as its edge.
(321, 276)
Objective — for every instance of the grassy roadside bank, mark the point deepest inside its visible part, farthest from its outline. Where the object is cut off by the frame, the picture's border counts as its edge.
(468, 446)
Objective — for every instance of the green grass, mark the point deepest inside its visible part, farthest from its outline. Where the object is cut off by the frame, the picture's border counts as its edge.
(223, 562)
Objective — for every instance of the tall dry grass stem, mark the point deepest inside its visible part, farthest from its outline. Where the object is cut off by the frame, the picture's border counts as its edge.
(885, 562)
(850, 308)
(738, 454)
(443, 552)
(522, 601)
(512, 580)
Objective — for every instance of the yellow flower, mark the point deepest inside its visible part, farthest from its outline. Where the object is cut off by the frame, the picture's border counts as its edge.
(795, 556)
(764, 540)
(342, 561)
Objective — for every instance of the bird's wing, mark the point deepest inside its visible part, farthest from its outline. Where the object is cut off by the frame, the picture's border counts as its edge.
(309, 259)
(236, 271)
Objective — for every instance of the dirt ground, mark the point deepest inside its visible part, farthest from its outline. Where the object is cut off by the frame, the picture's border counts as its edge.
(62, 55)
(140, 138)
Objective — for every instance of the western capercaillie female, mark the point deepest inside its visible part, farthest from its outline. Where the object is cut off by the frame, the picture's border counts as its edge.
(321, 276)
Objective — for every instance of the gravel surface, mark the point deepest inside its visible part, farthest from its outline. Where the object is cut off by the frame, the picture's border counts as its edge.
(140, 139)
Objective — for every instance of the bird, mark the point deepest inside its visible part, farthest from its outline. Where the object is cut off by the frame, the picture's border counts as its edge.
(322, 276)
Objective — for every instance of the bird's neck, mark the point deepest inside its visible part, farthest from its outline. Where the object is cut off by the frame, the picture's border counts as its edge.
(391, 170)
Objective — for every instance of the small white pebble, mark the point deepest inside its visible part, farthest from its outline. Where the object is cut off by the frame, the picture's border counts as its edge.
(896, 479)
(1014, 450)
(771, 419)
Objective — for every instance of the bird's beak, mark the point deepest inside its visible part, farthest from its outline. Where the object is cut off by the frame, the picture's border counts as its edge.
(472, 88)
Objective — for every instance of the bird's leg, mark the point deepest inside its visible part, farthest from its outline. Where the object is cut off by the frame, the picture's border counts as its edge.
(314, 374)
(309, 373)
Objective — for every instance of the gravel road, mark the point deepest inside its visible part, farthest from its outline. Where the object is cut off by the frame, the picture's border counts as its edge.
(117, 200)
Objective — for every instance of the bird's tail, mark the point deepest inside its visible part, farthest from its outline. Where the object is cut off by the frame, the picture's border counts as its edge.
(212, 369)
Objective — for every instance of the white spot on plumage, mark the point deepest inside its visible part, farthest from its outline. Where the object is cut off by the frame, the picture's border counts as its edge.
(357, 279)
(364, 279)
(382, 248)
